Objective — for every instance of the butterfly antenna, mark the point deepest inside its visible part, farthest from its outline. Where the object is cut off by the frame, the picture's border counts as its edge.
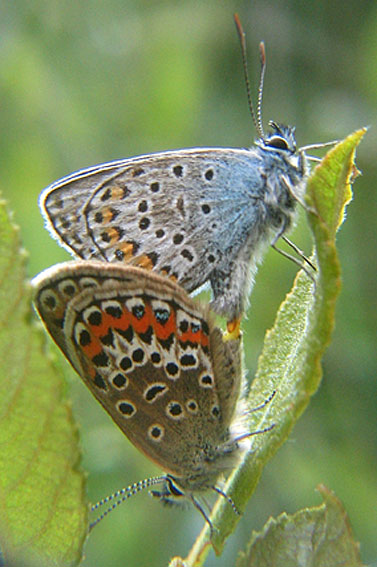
(262, 53)
(121, 495)
(256, 117)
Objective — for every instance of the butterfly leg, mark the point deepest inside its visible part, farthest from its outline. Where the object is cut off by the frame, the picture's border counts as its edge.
(299, 252)
(295, 261)
(201, 510)
(307, 208)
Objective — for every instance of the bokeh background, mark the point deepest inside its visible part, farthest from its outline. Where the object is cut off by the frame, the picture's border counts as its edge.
(85, 82)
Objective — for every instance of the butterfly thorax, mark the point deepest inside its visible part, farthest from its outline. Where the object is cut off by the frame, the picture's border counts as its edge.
(276, 178)
(282, 176)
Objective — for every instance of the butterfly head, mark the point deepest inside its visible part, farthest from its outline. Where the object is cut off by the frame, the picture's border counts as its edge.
(280, 138)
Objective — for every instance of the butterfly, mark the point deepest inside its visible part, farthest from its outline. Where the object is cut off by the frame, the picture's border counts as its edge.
(157, 364)
(200, 216)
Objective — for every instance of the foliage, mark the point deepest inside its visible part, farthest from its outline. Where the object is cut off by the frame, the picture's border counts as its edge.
(42, 504)
(319, 536)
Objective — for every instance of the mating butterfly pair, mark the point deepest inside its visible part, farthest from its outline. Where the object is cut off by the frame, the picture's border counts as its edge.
(150, 355)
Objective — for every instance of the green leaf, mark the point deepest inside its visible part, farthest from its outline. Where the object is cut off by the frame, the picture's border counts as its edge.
(319, 536)
(290, 363)
(42, 505)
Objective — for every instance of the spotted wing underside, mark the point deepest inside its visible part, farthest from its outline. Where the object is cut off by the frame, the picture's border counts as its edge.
(178, 213)
(147, 352)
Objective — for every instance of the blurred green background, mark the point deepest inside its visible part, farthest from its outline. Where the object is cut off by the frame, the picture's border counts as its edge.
(86, 82)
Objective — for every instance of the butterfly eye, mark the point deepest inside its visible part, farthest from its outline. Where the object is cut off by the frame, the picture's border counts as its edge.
(278, 142)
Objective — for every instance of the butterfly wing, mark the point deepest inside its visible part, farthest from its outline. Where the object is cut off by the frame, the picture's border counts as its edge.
(183, 213)
(147, 352)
